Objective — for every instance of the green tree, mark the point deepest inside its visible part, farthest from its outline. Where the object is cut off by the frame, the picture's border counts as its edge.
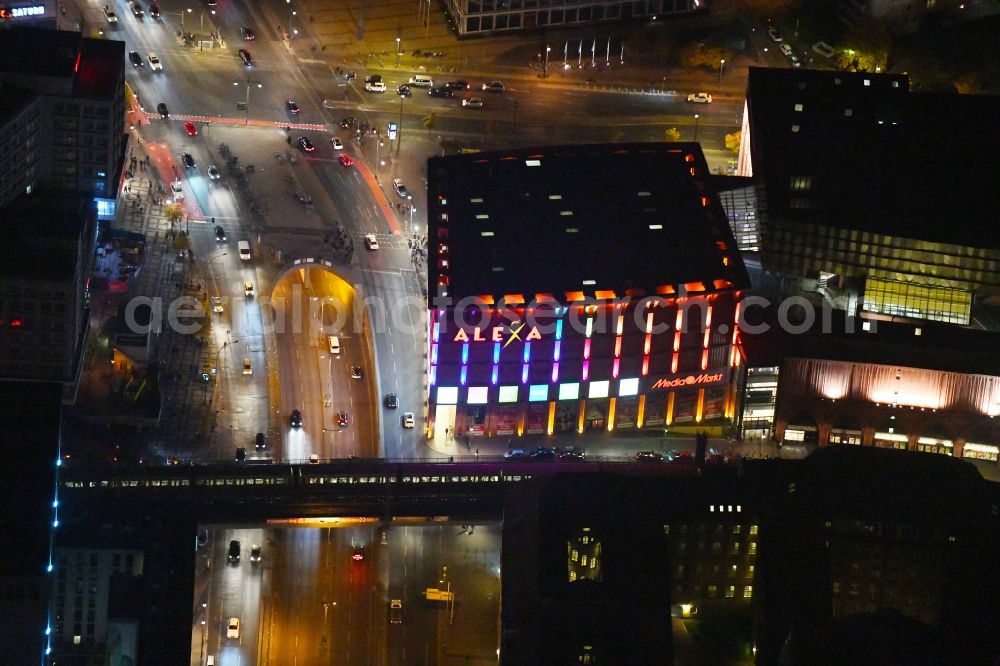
(182, 242)
(867, 47)
(672, 135)
(733, 142)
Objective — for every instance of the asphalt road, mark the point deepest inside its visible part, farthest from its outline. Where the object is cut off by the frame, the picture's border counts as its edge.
(308, 601)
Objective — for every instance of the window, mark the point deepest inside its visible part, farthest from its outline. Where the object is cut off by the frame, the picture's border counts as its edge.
(478, 395)
(599, 389)
(447, 395)
(799, 107)
(730, 592)
(747, 591)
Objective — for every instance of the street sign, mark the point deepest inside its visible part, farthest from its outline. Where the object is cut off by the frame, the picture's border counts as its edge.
(392, 130)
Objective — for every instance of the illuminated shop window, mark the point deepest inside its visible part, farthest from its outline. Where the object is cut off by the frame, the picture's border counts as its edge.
(478, 395)
(508, 394)
(447, 395)
(571, 391)
(628, 386)
(599, 389)
(538, 393)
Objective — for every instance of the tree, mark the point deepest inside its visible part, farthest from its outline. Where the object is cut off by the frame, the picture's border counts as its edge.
(703, 55)
(174, 212)
(430, 119)
(867, 47)
(968, 84)
(672, 135)
(733, 142)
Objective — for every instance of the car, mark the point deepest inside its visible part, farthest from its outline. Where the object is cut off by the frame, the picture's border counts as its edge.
(161, 108)
(794, 59)
(371, 242)
(313, 459)
(295, 419)
(255, 552)
(241, 454)
(358, 554)
(110, 15)
(292, 107)
(233, 628)
(458, 85)
(135, 58)
(177, 190)
(234, 551)
(247, 34)
(824, 49)
(260, 441)
(391, 401)
(494, 87)
(188, 161)
(345, 160)
(648, 456)
(136, 8)
(213, 174)
(396, 611)
(472, 102)
(247, 366)
(515, 454)
(785, 49)
(154, 10)
(773, 33)
(403, 90)
(342, 419)
(374, 78)
(356, 372)
(421, 81)
(441, 91)
(337, 143)
(211, 3)
(154, 62)
(305, 144)
(248, 288)
(348, 122)
(699, 98)
(376, 87)
(572, 454)
(543, 453)
(190, 129)
(246, 57)
(408, 420)
(217, 304)
(400, 188)
(220, 233)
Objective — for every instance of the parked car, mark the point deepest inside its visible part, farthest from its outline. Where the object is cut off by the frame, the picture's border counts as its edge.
(391, 401)
(337, 143)
(400, 188)
(161, 108)
(233, 628)
(371, 242)
(176, 190)
(785, 49)
(648, 456)
(440, 92)
(458, 85)
(543, 453)
(135, 58)
(515, 454)
(376, 87)
(408, 420)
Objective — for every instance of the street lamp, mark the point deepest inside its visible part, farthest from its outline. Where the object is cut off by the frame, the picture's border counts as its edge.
(545, 73)
(696, 117)
(291, 13)
(397, 52)
(378, 144)
(722, 65)
(246, 102)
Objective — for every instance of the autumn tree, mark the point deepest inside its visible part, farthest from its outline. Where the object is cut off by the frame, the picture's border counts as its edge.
(733, 142)
(672, 135)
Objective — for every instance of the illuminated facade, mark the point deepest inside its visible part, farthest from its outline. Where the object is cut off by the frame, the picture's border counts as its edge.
(861, 199)
(558, 335)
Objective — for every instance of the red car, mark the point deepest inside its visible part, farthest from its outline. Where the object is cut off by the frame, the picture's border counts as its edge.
(345, 160)
(190, 129)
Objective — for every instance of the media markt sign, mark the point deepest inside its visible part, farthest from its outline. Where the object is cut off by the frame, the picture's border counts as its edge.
(668, 382)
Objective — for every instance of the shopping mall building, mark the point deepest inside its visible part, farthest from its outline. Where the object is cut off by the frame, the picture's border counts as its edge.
(579, 288)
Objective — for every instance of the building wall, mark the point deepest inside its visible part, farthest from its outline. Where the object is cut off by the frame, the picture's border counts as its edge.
(493, 16)
(85, 141)
(642, 364)
(82, 585)
(713, 559)
(21, 149)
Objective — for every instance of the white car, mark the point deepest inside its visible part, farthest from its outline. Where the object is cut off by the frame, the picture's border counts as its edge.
(177, 190)
(376, 87)
(773, 33)
(248, 289)
(371, 242)
(337, 143)
(408, 419)
(154, 62)
(247, 366)
(700, 98)
(233, 628)
(401, 191)
(213, 172)
(473, 102)
(110, 15)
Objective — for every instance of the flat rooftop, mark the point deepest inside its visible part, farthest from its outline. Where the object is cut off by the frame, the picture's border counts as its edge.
(860, 151)
(46, 247)
(94, 66)
(567, 221)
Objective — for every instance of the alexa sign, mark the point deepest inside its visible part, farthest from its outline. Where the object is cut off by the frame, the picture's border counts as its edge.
(497, 334)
